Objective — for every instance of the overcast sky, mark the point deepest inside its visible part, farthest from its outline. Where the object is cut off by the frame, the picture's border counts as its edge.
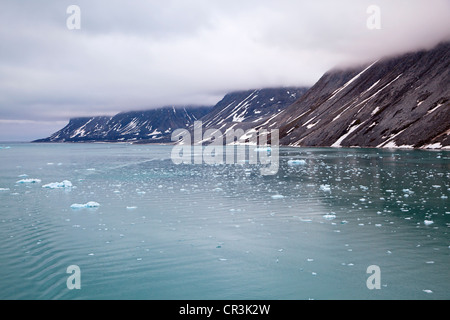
(137, 54)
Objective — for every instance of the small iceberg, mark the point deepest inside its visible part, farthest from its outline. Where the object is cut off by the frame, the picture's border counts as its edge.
(329, 216)
(23, 181)
(325, 187)
(296, 162)
(277, 196)
(4, 189)
(428, 222)
(90, 204)
(58, 185)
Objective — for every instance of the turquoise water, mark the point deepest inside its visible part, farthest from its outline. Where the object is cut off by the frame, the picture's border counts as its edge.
(166, 231)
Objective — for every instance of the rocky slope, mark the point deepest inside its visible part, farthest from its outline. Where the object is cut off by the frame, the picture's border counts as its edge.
(150, 126)
(243, 108)
(394, 102)
(397, 102)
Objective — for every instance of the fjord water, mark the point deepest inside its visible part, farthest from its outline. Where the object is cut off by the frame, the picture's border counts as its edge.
(166, 231)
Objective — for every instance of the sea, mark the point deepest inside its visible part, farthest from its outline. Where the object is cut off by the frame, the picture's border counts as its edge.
(105, 221)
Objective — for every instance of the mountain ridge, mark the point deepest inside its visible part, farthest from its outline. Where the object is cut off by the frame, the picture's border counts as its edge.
(394, 102)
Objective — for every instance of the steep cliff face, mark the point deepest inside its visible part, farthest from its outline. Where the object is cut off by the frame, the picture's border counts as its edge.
(150, 126)
(396, 102)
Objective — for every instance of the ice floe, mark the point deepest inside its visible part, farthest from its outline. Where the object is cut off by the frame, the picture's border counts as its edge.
(58, 185)
(277, 196)
(296, 162)
(4, 189)
(325, 187)
(29, 181)
(329, 216)
(90, 204)
(428, 222)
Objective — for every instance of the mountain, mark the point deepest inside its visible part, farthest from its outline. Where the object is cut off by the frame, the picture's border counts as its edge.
(156, 126)
(394, 102)
(150, 126)
(245, 108)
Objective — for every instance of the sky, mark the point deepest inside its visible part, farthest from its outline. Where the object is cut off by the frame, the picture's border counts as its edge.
(114, 56)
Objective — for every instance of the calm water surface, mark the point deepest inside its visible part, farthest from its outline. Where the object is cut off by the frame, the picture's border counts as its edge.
(166, 231)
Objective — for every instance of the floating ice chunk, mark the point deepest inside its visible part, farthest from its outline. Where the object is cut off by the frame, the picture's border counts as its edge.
(131, 208)
(90, 204)
(296, 162)
(4, 189)
(427, 291)
(428, 222)
(263, 149)
(23, 176)
(277, 196)
(329, 216)
(29, 181)
(325, 187)
(58, 185)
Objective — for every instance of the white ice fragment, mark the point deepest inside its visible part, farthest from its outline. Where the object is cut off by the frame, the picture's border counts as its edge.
(277, 196)
(4, 189)
(131, 208)
(428, 222)
(325, 187)
(29, 181)
(329, 216)
(427, 291)
(296, 162)
(58, 185)
(90, 204)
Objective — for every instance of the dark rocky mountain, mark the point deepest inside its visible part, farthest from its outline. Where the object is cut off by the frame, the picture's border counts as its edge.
(394, 102)
(156, 126)
(247, 108)
(149, 126)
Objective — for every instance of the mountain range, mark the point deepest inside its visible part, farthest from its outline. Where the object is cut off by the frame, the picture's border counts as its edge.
(394, 102)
